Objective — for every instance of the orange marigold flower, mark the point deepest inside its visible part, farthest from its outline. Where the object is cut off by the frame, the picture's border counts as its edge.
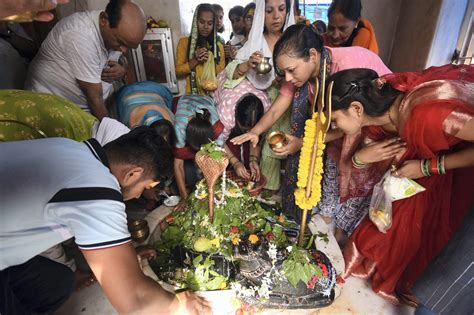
(169, 219)
(253, 238)
(235, 240)
(281, 218)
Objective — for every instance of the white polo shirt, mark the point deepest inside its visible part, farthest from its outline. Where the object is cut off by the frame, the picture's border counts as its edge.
(54, 189)
(73, 50)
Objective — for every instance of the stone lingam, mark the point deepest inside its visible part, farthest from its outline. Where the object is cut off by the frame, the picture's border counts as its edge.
(226, 240)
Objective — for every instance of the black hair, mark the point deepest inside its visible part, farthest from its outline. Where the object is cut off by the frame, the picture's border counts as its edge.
(199, 130)
(237, 10)
(248, 112)
(248, 7)
(296, 41)
(143, 147)
(114, 12)
(351, 9)
(208, 41)
(320, 26)
(165, 129)
(357, 85)
(217, 7)
(287, 8)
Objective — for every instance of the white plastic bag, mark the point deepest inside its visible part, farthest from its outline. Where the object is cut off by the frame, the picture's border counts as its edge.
(387, 190)
(380, 211)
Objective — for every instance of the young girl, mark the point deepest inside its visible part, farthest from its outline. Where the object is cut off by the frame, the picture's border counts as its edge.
(196, 123)
(194, 50)
(432, 111)
(299, 55)
(347, 28)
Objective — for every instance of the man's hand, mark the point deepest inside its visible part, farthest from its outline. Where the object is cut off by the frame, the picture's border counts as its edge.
(255, 171)
(40, 7)
(188, 302)
(113, 72)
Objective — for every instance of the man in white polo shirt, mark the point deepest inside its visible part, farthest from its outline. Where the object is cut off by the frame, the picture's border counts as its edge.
(54, 189)
(75, 60)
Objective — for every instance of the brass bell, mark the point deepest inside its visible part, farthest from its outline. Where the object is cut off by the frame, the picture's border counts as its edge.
(264, 66)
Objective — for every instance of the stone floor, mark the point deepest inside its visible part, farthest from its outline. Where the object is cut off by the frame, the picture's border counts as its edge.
(356, 296)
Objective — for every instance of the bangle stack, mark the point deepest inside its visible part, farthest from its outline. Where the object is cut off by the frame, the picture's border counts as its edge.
(357, 163)
(433, 166)
(236, 161)
(253, 158)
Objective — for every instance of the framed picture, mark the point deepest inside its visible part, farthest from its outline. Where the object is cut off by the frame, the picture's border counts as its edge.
(154, 59)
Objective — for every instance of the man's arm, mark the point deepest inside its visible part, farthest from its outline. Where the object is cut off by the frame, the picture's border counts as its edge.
(94, 97)
(130, 291)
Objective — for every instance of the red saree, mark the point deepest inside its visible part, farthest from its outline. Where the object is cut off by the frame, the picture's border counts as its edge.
(437, 104)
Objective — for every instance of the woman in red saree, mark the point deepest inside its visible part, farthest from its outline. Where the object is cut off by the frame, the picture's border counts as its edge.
(432, 112)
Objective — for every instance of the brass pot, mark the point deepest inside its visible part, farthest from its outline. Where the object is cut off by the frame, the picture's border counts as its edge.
(139, 230)
(276, 139)
(264, 66)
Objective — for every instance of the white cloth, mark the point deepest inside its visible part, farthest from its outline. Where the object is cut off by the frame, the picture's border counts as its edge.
(107, 130)
(54, 189)
(257, 42)
(74, 50)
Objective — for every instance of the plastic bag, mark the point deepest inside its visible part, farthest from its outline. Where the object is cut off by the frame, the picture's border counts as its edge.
(380, 210)
(402, 187)
(208, 80)
(387, 190)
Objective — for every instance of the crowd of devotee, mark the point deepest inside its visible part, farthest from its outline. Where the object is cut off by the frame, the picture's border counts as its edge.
(77, 140)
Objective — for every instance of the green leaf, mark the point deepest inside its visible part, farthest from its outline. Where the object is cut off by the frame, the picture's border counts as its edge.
(197, 261)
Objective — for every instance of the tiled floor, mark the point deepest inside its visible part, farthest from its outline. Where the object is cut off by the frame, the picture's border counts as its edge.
(356, 296)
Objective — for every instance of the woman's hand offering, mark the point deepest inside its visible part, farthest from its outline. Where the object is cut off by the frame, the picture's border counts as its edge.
(380, 151)
(255, 59)
(241, 171)
(255, 171)
(292, 146)
(248, 136)
(410, 169)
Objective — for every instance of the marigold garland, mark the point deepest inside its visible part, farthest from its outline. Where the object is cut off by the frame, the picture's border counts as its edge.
(313, 131)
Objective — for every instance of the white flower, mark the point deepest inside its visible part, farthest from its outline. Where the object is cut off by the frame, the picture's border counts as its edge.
(272, 252)
(289, 249)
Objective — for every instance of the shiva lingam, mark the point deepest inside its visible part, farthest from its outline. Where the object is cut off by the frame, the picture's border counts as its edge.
(264, 66)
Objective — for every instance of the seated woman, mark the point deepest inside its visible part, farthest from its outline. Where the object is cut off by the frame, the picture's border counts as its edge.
(433, 112)
(197, 123)
(147, 104)
(194, 50)
(347, 28)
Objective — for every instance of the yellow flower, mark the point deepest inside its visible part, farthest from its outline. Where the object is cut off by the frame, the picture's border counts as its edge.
(223, 285)
(313, 132)
(253, 238)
